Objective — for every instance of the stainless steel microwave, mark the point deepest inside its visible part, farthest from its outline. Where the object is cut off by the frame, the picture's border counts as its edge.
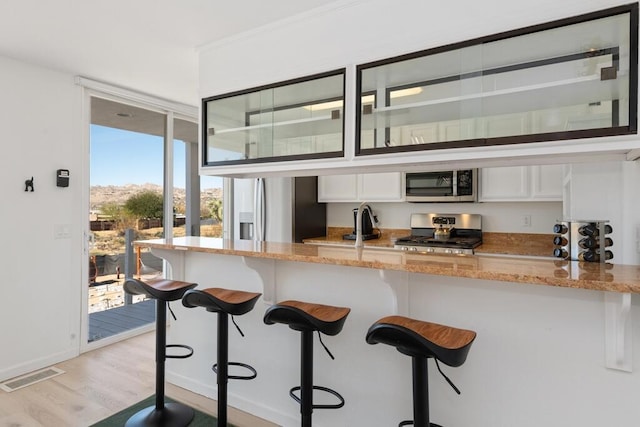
(444, 186)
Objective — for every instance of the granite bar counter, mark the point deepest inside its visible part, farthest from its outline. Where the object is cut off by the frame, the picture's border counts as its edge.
(546, 328)
(531, 270)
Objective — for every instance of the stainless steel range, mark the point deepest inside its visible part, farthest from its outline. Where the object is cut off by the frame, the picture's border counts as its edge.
(442, 233)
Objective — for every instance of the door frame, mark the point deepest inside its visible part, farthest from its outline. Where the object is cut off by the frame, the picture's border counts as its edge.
(172, 110)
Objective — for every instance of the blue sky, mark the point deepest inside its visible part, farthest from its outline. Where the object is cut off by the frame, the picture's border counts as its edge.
(120, 157)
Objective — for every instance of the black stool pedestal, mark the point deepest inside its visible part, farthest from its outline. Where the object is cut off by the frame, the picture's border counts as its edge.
(308, 318)
(306, 386)
(221, 368)
(223, 302)
(161, 414)
(171, 414)
(420, 394)
(422, 341)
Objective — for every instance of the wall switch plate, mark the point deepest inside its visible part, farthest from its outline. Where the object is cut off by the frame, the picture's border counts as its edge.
(526, 221)
(61, 231)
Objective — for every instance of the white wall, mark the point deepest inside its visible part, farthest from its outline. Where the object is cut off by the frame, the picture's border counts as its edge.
(41, 292)
(609, 191)
(363, 31)
(497, 217)
(631, 212)
(539, 355)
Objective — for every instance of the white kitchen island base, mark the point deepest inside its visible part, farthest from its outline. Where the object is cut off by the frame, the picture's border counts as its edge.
(538, 358)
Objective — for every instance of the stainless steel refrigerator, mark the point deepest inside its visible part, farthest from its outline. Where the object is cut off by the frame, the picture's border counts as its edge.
(278, 209)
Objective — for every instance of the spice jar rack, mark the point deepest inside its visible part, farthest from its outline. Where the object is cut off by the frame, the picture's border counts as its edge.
(583, 240)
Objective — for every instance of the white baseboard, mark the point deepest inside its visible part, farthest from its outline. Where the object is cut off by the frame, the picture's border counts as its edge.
(36, 364)
(254, 408)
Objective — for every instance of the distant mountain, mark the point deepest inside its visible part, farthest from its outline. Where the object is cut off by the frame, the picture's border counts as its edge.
(100, 195)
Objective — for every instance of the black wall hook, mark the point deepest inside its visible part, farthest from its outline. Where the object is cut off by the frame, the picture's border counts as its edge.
(28, 185)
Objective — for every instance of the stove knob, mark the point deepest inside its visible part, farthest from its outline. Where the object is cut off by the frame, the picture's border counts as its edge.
(448, 251)
(404, 248)
(430, 250)
(413, 249)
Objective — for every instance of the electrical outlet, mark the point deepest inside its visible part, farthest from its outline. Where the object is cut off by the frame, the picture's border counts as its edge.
(525, 221)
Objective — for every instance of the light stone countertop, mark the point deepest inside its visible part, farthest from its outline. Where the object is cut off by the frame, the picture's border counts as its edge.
(528, 244)
(526, 269)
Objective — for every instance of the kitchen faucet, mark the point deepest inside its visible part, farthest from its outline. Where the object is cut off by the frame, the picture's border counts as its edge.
(359, 242)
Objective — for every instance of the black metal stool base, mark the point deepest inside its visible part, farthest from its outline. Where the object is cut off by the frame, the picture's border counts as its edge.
(172, 415)
(250, 368)
(410, 423)
(340, 404)
(189, 351)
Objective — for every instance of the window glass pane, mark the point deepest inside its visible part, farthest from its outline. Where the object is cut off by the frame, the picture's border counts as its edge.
(197, 199)
(211, 206)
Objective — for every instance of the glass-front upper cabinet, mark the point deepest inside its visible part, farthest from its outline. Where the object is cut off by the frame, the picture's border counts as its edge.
(573, 78)
(292, 120)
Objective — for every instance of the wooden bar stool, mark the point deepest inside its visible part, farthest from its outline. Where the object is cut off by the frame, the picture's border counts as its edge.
(307, 318)
(423, 340)
(169, 414)
(225, 302)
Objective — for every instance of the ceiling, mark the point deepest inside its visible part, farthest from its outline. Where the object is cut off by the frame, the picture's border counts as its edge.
(146, 45)
(127, 117)
(150, 46)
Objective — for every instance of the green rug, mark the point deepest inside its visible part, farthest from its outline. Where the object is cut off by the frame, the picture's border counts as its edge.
(119, 419)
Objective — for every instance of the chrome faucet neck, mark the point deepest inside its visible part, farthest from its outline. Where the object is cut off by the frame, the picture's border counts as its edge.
(359, 242)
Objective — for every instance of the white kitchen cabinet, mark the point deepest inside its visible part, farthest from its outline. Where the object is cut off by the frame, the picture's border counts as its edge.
(503, 184)
(381, 187)
(519, 90)
(338, 188)
(373, 187)
(547, 182)
(280, 122)
(523, 86)
(521, 183)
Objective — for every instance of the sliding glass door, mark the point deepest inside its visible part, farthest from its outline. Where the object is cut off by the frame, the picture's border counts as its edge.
(143, 184)
(126, 191)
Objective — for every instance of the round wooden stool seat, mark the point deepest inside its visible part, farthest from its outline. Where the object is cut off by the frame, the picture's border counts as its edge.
(216, 300)
(160, 289)
(418, 338)
(304, 316)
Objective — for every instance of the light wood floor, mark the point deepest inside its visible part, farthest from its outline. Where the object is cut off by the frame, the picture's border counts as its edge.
(98, 384)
